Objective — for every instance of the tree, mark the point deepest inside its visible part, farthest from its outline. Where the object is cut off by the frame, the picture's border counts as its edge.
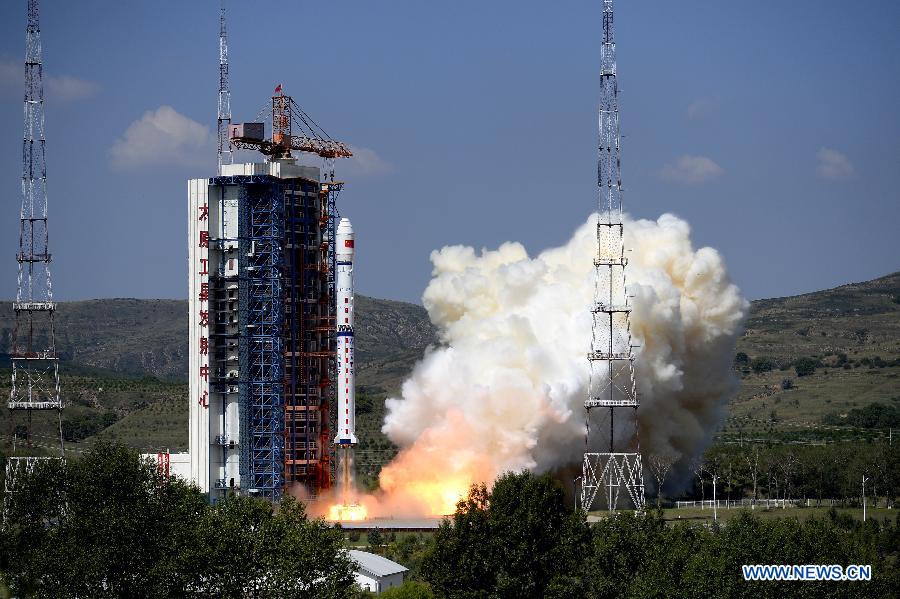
(752, 460)
(805, 366)
(660, 463)
(408, 590)
(110, 524)
(519, 540)
(376, 539)
(762, 364)
(697, 469)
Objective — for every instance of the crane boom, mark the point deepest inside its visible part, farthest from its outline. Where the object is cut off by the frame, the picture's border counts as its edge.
(325, 148)
(251, 136)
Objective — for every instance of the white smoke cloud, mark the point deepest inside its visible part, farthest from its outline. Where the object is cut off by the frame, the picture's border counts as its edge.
(506, 390)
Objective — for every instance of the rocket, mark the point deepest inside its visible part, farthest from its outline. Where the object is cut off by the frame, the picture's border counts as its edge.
(346, 384)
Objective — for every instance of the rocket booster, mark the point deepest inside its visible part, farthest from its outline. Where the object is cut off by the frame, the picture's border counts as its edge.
(346, 384)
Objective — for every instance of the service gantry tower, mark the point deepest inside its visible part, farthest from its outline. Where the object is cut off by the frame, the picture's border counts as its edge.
(35, 366)
(612, 384)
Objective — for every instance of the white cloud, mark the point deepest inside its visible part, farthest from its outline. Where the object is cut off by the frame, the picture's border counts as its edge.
(63, 88)
(68, 88)
(163, 136)
(833, 165)
(701, 107)
(366, 161)
(691, 170)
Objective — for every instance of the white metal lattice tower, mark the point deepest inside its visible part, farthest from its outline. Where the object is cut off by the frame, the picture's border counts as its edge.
(223, 122)
(616, 475)
(35, 365)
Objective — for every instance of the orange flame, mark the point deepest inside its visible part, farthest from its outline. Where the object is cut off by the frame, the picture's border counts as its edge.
(436, 471)
(347, 513)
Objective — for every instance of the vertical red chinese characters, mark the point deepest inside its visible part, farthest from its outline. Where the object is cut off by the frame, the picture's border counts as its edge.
(202, 274)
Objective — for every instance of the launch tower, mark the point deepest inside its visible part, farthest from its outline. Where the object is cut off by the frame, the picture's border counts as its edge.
(617, 474)
(262, 321)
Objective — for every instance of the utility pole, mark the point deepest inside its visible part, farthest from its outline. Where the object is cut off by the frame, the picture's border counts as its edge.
(715, 477)
(864, 480)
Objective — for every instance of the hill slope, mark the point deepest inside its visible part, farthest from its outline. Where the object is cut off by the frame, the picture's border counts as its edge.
(852, 333)
(125, 360)
(147, 337)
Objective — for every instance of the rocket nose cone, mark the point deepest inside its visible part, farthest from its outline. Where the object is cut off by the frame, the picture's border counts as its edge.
(345, 237)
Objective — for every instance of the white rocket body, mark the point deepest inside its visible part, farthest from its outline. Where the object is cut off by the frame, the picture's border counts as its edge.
(346, 384)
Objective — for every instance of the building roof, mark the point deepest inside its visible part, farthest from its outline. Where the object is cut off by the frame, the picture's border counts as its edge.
(375, 564)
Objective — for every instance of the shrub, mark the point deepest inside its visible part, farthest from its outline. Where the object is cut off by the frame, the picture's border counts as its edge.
(762, 364)
(787, 384)
(805, 366)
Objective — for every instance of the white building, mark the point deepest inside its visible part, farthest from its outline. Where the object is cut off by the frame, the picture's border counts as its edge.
(172, 464)
(375, 573)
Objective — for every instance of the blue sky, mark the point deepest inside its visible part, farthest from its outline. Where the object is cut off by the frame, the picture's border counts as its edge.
(772, 127)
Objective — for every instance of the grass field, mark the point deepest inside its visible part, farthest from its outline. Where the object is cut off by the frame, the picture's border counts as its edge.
(705, 515)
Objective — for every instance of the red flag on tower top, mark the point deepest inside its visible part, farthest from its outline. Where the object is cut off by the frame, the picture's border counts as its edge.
(278, 89)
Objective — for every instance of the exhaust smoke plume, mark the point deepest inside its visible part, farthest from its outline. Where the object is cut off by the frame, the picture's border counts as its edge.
(505, 390)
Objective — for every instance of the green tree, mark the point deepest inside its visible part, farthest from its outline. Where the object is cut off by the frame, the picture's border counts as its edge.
(110, 524)
(519, 540)
(805, 366)
(409, 590)
(376, 539)
(762, 364)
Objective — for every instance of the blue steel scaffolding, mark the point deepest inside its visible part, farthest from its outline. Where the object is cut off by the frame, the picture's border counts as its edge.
(261, 325)
(285, 324)
(264, 215)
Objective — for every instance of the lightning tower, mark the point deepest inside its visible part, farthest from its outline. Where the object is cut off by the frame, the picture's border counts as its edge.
(224, 111)
(35, 366)
(617, 475)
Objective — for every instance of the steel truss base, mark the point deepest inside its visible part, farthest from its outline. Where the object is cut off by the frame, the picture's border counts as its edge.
(612, 473)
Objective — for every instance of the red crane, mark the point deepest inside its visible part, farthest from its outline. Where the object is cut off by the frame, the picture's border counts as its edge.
(285, 115)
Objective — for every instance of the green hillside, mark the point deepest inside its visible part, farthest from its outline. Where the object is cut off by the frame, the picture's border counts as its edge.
(124, 368)
(851, 334)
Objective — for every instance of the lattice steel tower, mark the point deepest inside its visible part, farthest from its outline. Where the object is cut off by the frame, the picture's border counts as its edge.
(35, 366)
(223, 119)
(612, 384)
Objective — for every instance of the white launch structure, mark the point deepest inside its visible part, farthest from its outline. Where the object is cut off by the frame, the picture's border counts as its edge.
(346, 384)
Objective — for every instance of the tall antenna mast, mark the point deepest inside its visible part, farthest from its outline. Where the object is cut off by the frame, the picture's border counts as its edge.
(35, 366)
(612, 383)
(224, 113)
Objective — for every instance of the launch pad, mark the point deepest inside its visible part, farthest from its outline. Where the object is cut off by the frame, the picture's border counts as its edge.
(394, 524)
